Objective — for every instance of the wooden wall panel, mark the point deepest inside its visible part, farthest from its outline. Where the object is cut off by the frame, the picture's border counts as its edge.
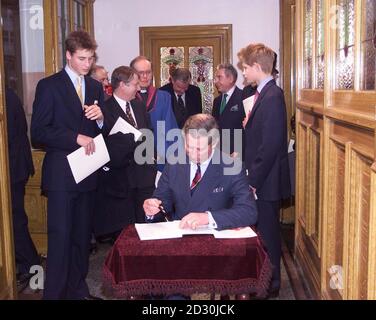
(36, 205)
(336, 169)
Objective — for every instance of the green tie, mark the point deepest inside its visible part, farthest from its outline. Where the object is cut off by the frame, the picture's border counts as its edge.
(223, 103)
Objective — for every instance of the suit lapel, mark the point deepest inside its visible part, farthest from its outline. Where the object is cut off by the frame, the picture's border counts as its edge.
(138, 113)
(261, 96)
(88, 92)
(229, 104)
(185, 173)
(70, 94)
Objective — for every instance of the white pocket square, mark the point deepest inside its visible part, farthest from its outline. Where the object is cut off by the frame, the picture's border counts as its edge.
(217, 190)
(234, 108)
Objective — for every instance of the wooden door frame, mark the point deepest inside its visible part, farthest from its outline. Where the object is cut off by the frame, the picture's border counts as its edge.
(7, 289)
(149, 36)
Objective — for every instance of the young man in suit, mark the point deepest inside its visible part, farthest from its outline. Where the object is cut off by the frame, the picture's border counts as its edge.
(66, 116)
(124, 184)
(185, 97)
(266, 150)
(228, 110)
(158, 105)
(21, 167)
(208, 188)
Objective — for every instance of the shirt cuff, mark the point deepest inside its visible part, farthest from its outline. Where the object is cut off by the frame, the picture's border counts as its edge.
(149, 218)
(100, 124)
(212, 223)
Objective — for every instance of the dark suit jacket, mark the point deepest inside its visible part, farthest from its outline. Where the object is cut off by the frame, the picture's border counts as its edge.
(57, 119)
(231, 117)
(124, 171)
(266, 145)
(226, 196)
(20, 160)
(193, 102)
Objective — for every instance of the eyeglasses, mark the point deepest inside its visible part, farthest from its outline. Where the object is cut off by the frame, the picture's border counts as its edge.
(144, 73)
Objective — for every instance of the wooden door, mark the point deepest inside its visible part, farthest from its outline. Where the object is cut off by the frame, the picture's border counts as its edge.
(198, 48)
(7, 265)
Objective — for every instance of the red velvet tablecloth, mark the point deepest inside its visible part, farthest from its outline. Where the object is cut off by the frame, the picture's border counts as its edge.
(192, 264)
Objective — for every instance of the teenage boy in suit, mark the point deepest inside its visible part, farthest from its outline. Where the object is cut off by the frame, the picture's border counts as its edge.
(66, 116)
(266, 150)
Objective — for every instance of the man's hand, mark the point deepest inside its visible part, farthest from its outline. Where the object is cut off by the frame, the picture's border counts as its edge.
(193, 220)
(151, 206)
(234, 155)
(93, 112)
(87, 143)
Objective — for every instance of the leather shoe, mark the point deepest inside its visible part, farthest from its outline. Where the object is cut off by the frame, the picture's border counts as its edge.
(91, 297)
(23, 281)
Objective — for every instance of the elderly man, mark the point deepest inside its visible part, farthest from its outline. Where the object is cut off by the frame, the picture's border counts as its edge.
(100, 74)
(209, 188)
(185, 97)
(228, 109)
(158, 105)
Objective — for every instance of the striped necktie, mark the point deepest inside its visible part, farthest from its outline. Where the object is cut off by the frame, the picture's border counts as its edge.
(129, 115)
(196, 178)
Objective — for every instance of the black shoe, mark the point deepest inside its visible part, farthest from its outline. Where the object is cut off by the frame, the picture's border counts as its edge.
(91, 297)
(23, 281)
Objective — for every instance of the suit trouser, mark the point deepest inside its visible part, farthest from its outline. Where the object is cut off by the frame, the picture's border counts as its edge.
(139, 195)
(269, 227)
(26, 254)
(69, 226)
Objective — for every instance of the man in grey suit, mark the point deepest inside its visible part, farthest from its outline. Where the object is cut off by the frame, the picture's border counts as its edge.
(209, 188)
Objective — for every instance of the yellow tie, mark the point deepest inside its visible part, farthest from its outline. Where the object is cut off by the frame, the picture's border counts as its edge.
(79, 89)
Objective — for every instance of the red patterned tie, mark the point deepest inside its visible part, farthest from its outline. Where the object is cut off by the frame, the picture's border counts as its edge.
(196, 178)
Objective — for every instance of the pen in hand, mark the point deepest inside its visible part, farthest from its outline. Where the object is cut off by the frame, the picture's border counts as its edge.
(160, 207)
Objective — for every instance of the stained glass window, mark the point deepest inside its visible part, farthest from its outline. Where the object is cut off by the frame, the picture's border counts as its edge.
(201, 67)
(308, 45)
(345, 44)
(369, 45)
(171, 58)
(320, 53)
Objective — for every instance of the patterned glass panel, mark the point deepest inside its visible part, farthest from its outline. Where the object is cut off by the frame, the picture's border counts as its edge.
(171, 58)
(345, 68)
(320, 62)
(369, 45)
(201, 67)
(308, 45)
(345, 44)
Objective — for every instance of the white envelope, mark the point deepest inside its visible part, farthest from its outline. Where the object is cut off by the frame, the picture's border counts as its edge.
(248, 104)
(83, 165)
(123, 126)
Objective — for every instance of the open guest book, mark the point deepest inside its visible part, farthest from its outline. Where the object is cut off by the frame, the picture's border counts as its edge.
(171, 229)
